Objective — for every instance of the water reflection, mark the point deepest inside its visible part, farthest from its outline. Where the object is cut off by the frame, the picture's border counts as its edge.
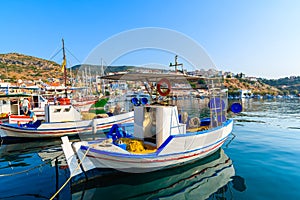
(283, 113)
(19, 154)
(32, 169)
(212, 177)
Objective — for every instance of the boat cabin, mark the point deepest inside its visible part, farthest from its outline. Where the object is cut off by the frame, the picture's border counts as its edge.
(155, 123)
(61, 113)
(10, 103)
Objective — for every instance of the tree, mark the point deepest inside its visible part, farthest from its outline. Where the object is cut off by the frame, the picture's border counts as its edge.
(295, 92)
(201, 81)
(286, 92)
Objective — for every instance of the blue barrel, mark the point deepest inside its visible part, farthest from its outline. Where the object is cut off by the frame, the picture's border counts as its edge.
(144, 101)
(236, 107)
(135, 101)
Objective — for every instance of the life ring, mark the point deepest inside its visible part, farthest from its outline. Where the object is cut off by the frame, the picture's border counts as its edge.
(194, 122)
(160, 83)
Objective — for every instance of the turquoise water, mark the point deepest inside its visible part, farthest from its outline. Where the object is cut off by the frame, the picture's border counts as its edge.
(261, 160)
(266, 150)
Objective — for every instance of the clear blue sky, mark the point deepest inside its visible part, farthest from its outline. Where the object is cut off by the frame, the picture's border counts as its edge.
(259, 37)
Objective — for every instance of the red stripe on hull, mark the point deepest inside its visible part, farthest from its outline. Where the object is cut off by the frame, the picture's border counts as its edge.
(59, 131)
(165, 160)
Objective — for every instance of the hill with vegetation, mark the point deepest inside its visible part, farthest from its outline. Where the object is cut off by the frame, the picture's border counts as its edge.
(288, 85)
(256, 87)
(15, 66)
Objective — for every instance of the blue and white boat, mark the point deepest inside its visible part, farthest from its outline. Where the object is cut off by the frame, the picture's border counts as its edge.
(157, 139)
(198, 180)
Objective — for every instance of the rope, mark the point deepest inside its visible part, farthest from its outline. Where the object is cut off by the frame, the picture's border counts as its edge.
(73, 55)
(30, 169)
(55, 54)
(230, 140)
(68, 180)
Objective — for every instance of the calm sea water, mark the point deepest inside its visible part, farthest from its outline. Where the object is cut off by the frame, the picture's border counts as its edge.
(261, 160)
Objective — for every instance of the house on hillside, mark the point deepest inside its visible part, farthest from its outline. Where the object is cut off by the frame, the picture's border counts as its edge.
(252, 79)
(245, 93)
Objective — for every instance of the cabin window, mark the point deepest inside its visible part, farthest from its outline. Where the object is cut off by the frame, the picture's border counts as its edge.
(57, 110)
(67, 109)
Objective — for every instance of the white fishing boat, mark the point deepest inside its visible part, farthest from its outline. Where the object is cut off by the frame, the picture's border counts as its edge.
(61, 120)
(198, 180)
(11, 107)
(158, 139)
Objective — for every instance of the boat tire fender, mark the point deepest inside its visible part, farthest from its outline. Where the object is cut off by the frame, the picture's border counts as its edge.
(194, 122)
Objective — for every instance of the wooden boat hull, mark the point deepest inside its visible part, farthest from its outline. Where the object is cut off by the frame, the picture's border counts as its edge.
(197, 180)
(177, 150)
(144, 164)
(59, 129)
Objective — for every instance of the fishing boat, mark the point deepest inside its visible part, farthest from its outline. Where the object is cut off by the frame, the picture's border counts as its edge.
(198, 180)
(10, 108)
(160, 136)
(62, 120)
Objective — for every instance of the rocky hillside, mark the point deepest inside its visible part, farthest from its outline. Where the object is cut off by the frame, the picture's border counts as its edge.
(256, 87)
(14, 66)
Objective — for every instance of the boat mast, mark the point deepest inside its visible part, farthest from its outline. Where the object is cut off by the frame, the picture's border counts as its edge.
(176, 64)
(65, 67)
(102, 74)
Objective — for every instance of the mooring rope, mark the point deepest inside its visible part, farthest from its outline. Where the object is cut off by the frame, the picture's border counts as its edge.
(230, 139)
(30, 169)
(71, 175)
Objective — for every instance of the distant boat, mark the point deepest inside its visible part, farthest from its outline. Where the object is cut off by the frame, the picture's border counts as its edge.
(11, 111)
(257, 96)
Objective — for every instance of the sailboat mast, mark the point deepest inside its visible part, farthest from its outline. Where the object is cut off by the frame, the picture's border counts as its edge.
(65, 67)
